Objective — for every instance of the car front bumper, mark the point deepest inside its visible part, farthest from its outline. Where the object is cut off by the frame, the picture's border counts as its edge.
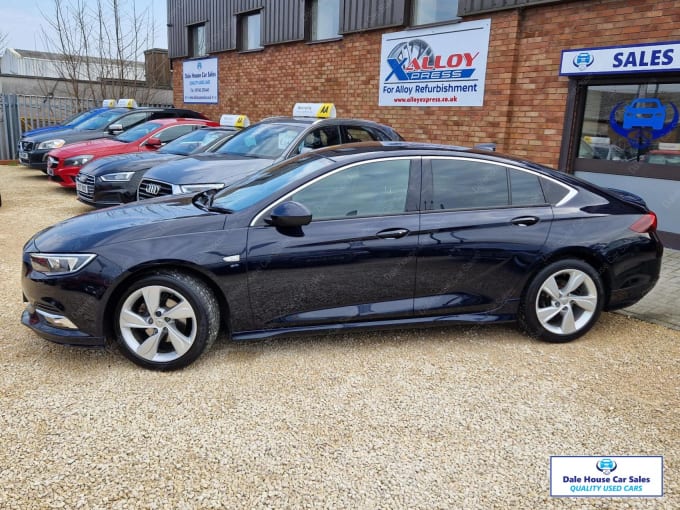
(58, 328)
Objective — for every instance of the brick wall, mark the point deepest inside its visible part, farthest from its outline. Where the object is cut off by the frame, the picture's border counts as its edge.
(525, 98)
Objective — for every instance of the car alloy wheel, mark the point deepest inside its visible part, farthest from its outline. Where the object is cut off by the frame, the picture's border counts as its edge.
(166, 320)
(562, 302)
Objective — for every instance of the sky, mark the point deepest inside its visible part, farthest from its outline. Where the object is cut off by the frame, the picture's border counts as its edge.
(22, 21)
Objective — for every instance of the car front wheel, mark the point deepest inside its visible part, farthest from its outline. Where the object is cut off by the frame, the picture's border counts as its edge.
(562, 302)
(166, 320)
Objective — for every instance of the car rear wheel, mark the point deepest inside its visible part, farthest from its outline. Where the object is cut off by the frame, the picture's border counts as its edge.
(562, 302)
(166, 320)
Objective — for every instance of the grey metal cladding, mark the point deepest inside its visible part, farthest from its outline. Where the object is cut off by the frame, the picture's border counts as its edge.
(283, 21)
(182, 13)
(470, 7)
(358, 15)
(241, 6)
(221, 33)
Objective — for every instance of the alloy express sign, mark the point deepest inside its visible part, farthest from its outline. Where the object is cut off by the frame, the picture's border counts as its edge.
(442, 66)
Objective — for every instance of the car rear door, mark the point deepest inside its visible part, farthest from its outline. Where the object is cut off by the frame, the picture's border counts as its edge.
(355, 261)
(483, 226)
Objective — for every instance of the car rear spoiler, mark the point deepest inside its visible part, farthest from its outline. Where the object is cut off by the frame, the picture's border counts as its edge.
(627, 196)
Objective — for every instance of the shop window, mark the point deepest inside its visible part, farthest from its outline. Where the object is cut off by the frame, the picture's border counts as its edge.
(634, 122)
(424, 12)
(197, 47)
(324, 19)
(249, 31)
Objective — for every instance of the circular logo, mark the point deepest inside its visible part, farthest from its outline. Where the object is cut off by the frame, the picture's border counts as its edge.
(584, 60)
(606, 466)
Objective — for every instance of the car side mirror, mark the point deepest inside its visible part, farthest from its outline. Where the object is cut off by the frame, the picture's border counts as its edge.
(289, 214)
(115, 129)
(153, 142)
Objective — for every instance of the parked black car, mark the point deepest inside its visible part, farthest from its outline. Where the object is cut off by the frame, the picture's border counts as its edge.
(33, 149)
(114, 180)
(262, 144)
(375, 235)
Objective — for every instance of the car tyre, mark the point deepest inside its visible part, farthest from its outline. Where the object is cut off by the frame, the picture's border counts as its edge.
(562, 302)
(166, 320)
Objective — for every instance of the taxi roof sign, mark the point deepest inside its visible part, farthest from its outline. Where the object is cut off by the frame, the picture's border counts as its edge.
(127, 103)
(108, 103)
(318, 110)
(239, 121)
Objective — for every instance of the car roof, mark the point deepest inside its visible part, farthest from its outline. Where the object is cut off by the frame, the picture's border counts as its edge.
(318, 121)
(176, 120)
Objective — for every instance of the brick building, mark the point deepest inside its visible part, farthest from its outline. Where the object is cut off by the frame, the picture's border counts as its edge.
(547, 96)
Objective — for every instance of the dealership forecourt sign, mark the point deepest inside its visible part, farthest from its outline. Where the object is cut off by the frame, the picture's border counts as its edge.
(625, 476)
(440, 66)
(200, 81)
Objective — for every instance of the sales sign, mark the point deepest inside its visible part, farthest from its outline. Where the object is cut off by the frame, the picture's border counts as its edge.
(642, 58)
(200, 80)
(441, 66)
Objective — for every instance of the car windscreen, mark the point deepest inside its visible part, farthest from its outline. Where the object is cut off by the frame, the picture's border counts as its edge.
(268, 140)
(259, 186)
(76, 119)
(137, 132)
(99, 121)
(193, 142)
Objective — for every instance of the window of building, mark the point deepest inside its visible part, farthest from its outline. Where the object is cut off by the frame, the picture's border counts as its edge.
(197, 47)
(433, 11)
(631, 122)
(249, 31)
(324, 19)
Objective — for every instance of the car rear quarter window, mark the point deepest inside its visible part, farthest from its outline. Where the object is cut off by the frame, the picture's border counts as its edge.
(370, 189)
(525, 188)
(554, 193)
(468, 184)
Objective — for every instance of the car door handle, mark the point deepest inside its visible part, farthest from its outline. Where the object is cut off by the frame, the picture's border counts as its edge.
(524, 221)
(392, 233)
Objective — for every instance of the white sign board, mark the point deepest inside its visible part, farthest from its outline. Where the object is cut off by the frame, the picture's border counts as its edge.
(439, 66)
(200, 80)
(624, 476)
(643, 58)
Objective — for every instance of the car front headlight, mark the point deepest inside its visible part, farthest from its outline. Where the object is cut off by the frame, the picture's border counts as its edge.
(60, 263)
(194, 188)
(117, 177)
(78, 160)
(52, 144)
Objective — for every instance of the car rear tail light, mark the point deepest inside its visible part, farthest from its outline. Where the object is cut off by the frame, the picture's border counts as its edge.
(646, 223)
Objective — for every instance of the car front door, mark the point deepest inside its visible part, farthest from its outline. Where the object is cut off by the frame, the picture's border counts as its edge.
(354, 262)
(483, 226)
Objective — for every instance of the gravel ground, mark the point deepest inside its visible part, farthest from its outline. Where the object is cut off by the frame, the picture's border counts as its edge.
(464, 417)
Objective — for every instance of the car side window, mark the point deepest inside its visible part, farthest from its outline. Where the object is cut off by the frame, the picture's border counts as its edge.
(463, 184)
(525, 188)
(371, 189)
(318, 138)
(132, 119)
(168, 135)
(354, 134)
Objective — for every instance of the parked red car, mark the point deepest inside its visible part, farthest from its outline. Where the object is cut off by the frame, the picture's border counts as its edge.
(63, 164)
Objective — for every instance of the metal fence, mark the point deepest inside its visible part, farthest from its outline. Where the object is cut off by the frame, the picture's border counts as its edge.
(20, 113)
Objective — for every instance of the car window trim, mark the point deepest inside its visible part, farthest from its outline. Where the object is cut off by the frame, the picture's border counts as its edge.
(258, 218)
(428, 181)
